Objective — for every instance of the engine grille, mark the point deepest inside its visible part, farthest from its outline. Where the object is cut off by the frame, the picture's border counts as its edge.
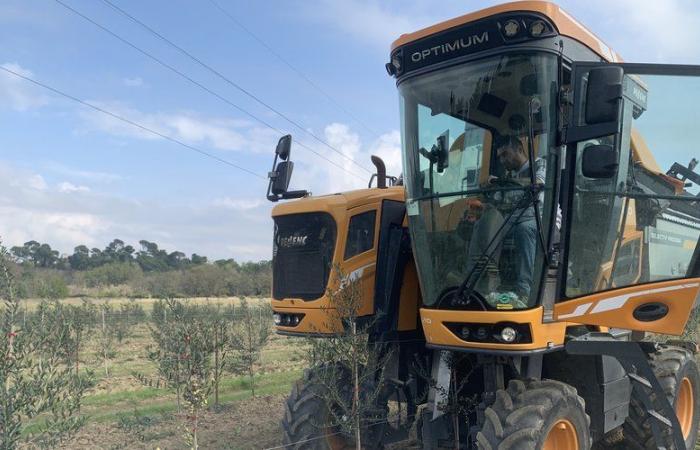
(302, 255)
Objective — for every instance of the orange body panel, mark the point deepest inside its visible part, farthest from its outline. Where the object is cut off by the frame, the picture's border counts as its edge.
(409, 299)
(615, 308)
(543, 335)
(565, 24)
(341, 207)
(318, 312)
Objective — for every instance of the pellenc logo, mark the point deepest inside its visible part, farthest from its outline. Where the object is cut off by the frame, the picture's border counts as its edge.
(292, 241)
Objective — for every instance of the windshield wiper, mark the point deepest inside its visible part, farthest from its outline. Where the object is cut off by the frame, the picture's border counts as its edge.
(470, 192)
(533, 104)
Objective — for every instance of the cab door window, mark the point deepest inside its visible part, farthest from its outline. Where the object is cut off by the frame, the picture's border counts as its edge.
(642, 224)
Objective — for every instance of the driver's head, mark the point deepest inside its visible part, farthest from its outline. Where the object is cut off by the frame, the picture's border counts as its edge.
(510, 152)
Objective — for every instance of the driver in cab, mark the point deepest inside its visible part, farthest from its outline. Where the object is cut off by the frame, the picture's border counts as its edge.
(513, 158)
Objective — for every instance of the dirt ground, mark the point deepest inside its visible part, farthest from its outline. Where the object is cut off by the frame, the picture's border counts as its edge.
(253, 423)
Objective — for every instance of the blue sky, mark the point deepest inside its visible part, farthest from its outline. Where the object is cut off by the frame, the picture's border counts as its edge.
(70, 175)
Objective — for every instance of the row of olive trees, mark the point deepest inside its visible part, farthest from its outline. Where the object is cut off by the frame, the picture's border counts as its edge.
(42, 385)
(194, 346)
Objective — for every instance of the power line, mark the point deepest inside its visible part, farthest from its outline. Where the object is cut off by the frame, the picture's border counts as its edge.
(291, 67)
(232, 83)
(198, 84)
(130, 122)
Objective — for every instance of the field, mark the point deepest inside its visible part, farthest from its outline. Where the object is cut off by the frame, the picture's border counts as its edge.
(124, 412)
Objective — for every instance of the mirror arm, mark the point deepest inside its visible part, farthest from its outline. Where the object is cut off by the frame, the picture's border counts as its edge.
(272, 175)
(295, 194)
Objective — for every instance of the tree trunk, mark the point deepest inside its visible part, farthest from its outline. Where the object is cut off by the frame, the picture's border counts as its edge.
(252, 380)
(455, 414)
(195, 445)
(104, 343)
(356, 389)
(217, 372)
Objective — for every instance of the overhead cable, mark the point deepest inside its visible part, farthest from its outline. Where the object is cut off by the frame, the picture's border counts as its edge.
(237, 86)
(200, 85)
(301, 74)
(131, 122)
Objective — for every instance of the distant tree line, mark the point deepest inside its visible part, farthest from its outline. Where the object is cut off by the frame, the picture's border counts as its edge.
(121, 270)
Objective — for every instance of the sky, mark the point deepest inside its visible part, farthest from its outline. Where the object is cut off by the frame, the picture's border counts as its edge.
(71, 175)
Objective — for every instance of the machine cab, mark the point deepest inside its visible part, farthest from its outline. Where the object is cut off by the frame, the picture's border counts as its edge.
(530, 187)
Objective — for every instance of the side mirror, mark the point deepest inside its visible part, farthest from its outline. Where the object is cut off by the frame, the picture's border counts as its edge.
(280, 183)
(603, 95)
(599, 161)
(283, 147)
(281, 173)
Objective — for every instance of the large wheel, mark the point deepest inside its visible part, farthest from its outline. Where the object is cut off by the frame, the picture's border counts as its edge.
(677, 372)
(536, 415)
(308, 423)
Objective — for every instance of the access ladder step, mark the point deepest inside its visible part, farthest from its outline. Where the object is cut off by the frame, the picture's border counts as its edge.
(641, 380)
(660, 418)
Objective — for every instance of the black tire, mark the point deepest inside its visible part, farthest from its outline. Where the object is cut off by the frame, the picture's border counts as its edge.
(671, 365)
(523, 415)
(306, 411)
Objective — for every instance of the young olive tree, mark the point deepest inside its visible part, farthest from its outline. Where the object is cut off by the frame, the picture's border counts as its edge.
(342, 390)
(249, 334)
(182, 353)
(107, 335)
(81, 321)
(220, 324)
(37, 388)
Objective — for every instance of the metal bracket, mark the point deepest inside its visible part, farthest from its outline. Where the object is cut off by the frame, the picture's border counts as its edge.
(633, 358)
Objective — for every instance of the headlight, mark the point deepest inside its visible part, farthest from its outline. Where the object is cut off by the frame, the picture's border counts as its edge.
(537, 28)
(511, 28)
(508, 334)
(277, 318)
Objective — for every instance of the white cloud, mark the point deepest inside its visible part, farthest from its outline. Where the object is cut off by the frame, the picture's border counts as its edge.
(321, 177)
(133, 82)
(652, 31)
(35, 182)
(93, 176)
(67, 188)
(368, 22)
(33, 210)
(217, 132)
(240, 204)
(18, 93)
(63, 231)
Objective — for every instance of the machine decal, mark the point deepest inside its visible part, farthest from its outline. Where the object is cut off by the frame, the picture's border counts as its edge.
(619, 301)
(579, 311)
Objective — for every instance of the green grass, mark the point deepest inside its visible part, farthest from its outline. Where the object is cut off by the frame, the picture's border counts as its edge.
(227, 385)
(279, 384)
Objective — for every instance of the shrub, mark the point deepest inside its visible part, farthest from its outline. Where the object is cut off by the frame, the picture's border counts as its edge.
(113, 274)
(203, 280)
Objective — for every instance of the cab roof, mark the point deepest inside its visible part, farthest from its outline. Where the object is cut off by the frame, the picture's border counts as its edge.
(565, 24)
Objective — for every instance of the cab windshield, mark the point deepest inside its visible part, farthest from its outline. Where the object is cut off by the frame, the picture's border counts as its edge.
(476, 221)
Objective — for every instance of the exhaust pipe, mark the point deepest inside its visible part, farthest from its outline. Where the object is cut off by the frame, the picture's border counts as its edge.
(381, 171)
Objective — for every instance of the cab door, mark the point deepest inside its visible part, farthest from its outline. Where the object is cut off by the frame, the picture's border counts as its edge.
(631, 230)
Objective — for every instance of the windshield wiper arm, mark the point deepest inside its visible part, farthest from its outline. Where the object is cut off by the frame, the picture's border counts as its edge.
(470, 192)
(533, 104)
